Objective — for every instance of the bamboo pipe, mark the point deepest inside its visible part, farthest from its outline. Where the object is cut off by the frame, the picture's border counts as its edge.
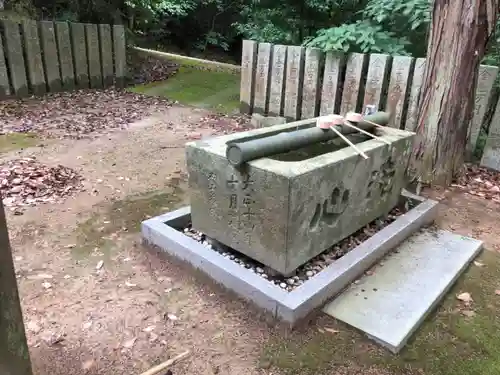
(239, 153)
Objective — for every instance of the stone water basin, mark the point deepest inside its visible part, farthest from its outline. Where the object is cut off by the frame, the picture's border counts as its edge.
(284, 210)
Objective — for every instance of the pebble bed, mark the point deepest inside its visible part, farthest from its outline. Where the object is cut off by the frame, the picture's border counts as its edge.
(315, 265)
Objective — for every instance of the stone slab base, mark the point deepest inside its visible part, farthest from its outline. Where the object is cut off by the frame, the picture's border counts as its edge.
(287, 306)
(390, 304)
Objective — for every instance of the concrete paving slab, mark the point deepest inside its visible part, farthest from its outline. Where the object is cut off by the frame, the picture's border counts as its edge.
(390, 304)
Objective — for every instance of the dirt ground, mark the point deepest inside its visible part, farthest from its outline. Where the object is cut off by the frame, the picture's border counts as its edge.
(137, 308)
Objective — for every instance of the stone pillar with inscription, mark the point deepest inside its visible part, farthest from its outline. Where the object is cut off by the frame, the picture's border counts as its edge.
(294, 79)
(277, 90)
(352, 83)
(310, 91)
(485, 80)
(396, 93)
(331, 75)
(377, 69)
(247, 81)
(414, 96)
(14, 355)
(491, 153)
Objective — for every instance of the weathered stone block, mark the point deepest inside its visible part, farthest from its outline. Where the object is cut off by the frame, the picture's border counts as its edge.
(261, 121)
(119, 54)
(33, 57)
(65, 55)
(79, 48)
(50, 59)
(286, 209)
(106, 43)
(15, 57)
(95, 74)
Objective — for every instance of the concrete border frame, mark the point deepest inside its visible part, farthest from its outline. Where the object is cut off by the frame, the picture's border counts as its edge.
(292, 306)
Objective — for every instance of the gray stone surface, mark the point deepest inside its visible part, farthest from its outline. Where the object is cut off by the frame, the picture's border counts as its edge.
(486, 78)
(329, 91)
(50, 56)
(93, 54)
(390, 304)
(277, 90)
(262, 75)
(310, 91)
(352, 82)
(119, 54)
(284, 210)
(295, 305)
(261, 121)
(80, 54)
(14, 52)
(247, 87)
(416, 84)
(377, 71)
(65, 55)
(294, 79)
(491, 153)
(4, 76)
(106, 44)
(33, 57)
(397, 88)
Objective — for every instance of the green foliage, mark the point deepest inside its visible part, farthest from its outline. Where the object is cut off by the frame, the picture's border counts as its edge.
(409, 15)
(384, 26)
(361, 36)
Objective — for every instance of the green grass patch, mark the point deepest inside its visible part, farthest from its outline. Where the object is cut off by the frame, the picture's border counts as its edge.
(17, 141)
(448, 343)
(215, 90)
(122, 217)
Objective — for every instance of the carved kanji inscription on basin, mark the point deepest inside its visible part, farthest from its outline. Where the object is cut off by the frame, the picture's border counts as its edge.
(329, 210)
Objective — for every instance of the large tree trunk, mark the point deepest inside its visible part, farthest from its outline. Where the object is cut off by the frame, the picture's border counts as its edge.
(14, 355)
(458, 36)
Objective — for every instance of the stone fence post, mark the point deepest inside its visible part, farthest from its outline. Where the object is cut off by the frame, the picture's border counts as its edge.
(14, 354)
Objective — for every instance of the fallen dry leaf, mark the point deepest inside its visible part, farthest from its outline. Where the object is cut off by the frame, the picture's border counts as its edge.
(149, 329)
(172, 317)
(88, 364)
(129, 343)
(52, 338)
(153, 337)
(480, 182)
(465, 297)
(33, 327)
(331, 330)
(78, 114)
(468, 313)
(26, 182)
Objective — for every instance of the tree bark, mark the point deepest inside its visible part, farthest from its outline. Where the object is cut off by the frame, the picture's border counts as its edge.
(14, 355)
(459, 33)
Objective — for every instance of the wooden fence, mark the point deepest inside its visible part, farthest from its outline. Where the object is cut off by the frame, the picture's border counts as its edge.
(38, 57)
(296, 82)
